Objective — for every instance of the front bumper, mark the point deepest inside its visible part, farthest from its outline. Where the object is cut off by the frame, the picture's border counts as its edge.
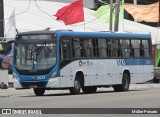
(52, 83)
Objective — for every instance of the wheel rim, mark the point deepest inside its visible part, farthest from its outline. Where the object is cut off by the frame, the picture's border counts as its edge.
(77, 85)
(125, 83)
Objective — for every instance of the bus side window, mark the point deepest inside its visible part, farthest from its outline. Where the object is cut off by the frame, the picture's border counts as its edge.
(114, 48)
(119, 51)
(131, 50)
(94, 47)
(141, 50)
(102, 47)
(146, 48)
(135, 44)
(125, 47)
(65, 49)
(88, 47)
(76, 47)
(109, 49)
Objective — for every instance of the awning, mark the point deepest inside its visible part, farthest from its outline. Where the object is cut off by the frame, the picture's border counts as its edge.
(146, 13)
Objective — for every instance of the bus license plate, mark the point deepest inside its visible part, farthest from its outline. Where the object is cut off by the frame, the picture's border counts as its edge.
(33, 86)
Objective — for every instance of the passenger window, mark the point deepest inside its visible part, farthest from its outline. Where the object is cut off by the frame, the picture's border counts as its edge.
(102, 47)
(108, 48)
(136, 46)
(141, 46)
(88, 48)
(65, 50)
(84, 47)
(131, 51)
(125, 47)
(115, 48)
(145, 44)
(76, 47)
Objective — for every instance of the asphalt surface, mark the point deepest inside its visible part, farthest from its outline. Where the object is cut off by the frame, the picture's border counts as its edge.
(139, 96)
(10, 92)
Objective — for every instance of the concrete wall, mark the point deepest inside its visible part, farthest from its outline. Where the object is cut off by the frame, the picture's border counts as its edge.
(4, 77)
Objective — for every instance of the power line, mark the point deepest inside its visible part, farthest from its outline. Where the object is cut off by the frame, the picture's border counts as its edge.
(46, 13)
(56, 20)
(27, 12)
(42, 10)
(18, 13)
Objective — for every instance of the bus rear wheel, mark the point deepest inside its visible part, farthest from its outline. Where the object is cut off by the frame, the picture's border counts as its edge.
(39, 91)
(77, 86)
(155, 80)
(90, 89)
(125, 84)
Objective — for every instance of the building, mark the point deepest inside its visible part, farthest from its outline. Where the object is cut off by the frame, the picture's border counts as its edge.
(143, 2)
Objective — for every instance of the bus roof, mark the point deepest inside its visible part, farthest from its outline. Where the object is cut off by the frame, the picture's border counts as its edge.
(104, 34)
(37, 32)
(88, 34)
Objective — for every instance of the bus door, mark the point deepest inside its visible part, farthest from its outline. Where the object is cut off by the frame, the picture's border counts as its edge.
(103, 63)
(65, 63)
(89, 64)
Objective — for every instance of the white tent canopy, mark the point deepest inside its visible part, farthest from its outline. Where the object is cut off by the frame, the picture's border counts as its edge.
(134, 27)
(41, 18)
(38, 19)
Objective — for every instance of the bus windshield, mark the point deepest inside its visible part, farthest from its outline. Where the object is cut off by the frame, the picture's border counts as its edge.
(35, 56)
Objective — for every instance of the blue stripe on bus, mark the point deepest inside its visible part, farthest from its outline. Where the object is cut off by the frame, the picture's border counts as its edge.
(129, 62)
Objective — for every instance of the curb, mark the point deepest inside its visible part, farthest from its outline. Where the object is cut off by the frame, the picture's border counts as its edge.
(13, 92)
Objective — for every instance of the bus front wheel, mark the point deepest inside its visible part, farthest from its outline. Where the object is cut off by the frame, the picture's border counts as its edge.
(39, 91)
(77, 86)
(125, 84)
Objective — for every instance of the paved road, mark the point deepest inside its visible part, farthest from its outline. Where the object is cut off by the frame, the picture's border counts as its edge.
(139, 96)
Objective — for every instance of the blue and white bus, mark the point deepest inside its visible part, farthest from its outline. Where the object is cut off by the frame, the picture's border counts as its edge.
(45, 60)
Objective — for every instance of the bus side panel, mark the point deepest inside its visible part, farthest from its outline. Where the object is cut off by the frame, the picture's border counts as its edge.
(107, 71)
(148, 72)
(136, 70)
(66, 76)
(148, 69)
(89, 69)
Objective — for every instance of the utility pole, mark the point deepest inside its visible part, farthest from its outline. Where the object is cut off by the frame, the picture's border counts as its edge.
(111, 16)
(111, 12)
(116, 21)
(1, 19)
(135, 2)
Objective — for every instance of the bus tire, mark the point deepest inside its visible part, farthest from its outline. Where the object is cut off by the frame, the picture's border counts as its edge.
(90, 89)
(39, 91)
(155, 80)
(125, 84)
(77, 86)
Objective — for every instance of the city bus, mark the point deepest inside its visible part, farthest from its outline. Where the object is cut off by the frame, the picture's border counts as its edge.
(46, 60)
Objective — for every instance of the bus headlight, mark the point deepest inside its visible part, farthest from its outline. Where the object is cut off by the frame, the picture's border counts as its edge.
(53, 75)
